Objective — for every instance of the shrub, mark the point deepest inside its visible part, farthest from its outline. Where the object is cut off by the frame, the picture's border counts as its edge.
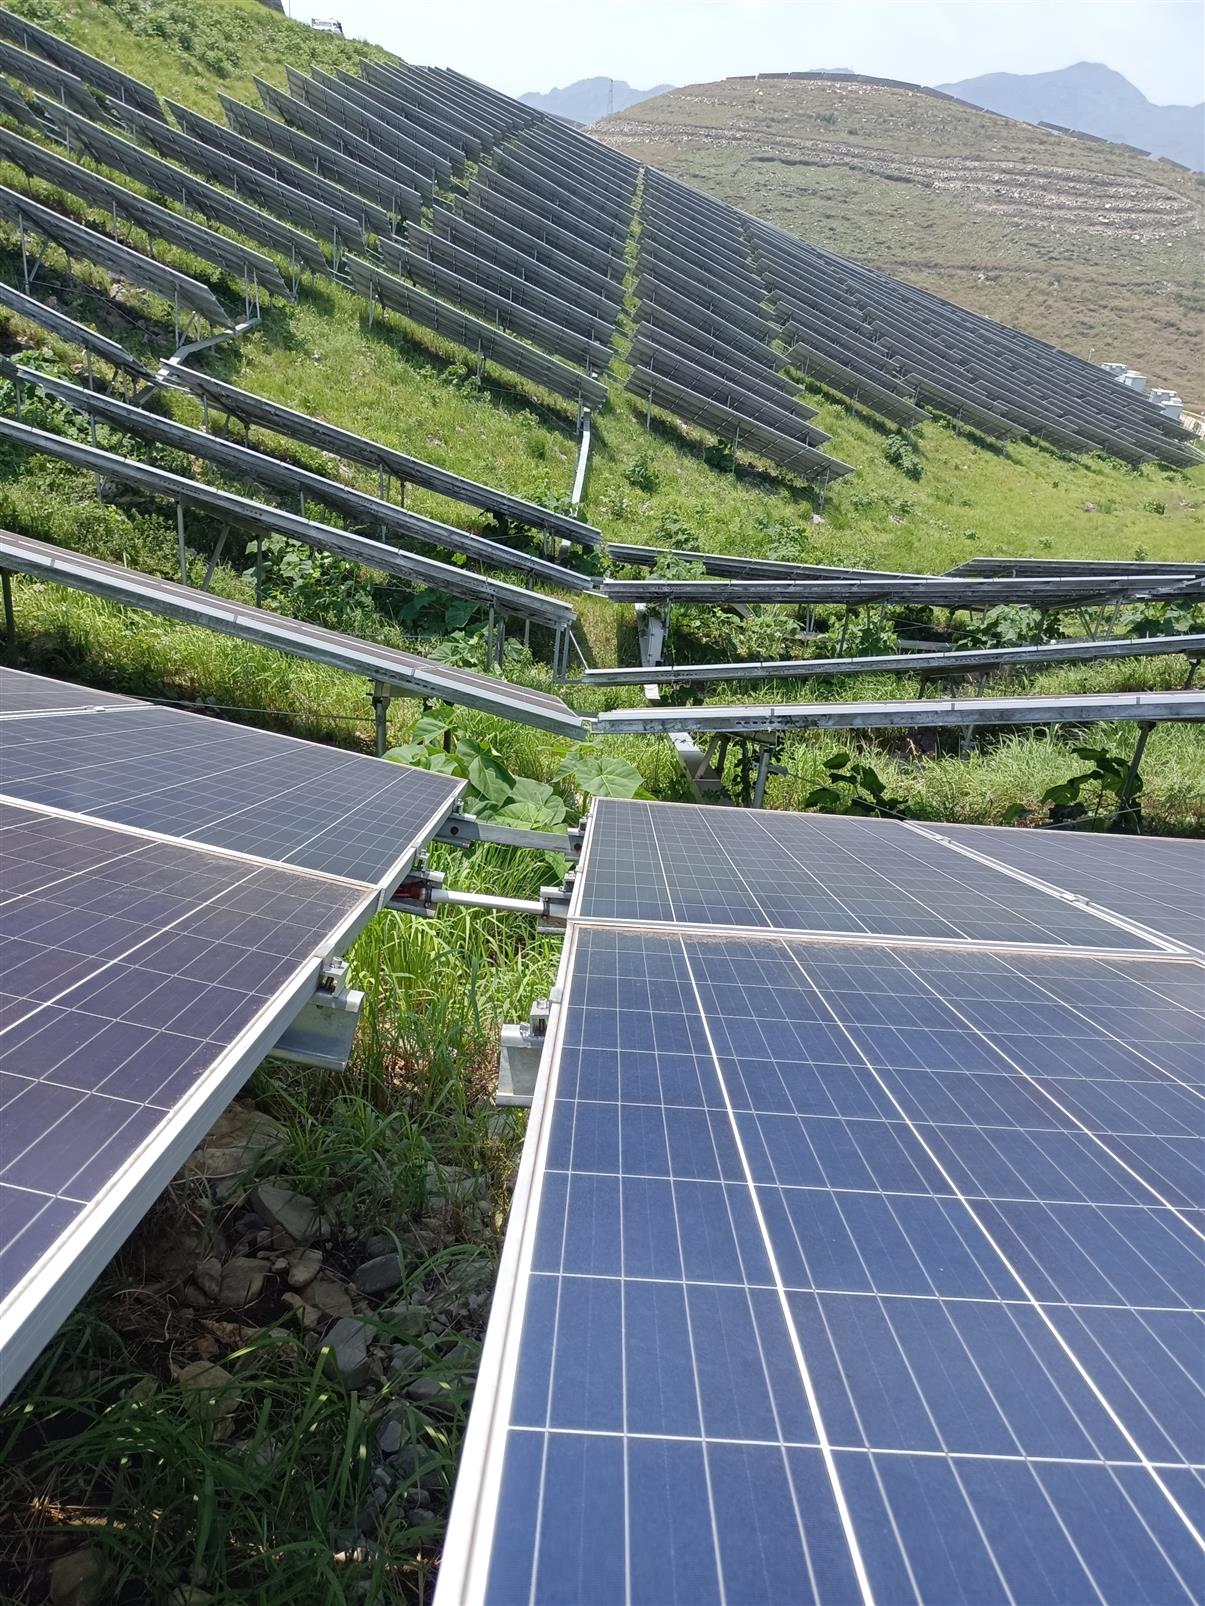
(642, 473)
(901, 452)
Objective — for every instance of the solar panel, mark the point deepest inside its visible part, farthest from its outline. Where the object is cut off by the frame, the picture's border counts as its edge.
(456, 133)
(936, 591)
(404, 673)
(120, 85)
(681, 865)
(259, 468)
(243, 511)
(600, 233)
(24, 693)
(551, 334)
(218, 785)
(254, 409)
(297, 179)
(474, 334)
(1039, 568)
(333, 165)
(734, 565)
(79, 334)
(659, 354)
(845, 1269)
(157, 221)
(812, 363)
(161, 176)
(1163, 889)
(151, 963)
(605, 259)
(429, 258)
(51, 80)
(925, 712)
(947, 662)
(278, 196)
(475, 230)
(325, 129)
(372, 130)
(736, 428)
(357, 93)
(117, 260)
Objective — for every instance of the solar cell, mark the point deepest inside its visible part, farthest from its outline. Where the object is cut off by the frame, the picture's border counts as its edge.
(118, 260)
(682, 865)
(402, 673)
(24, 693)
(820, 1290)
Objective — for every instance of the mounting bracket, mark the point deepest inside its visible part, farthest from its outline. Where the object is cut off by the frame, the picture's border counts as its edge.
(519, 1059)
(321, 1032)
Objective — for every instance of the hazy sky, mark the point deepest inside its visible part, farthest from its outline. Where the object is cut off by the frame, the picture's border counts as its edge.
(518, 45)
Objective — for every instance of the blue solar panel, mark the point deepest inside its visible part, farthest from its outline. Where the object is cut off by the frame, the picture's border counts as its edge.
(800, 1315)
(226, 786)
(684, 865)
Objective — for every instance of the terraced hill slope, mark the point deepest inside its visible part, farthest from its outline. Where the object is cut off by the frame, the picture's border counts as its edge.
(1088, 245)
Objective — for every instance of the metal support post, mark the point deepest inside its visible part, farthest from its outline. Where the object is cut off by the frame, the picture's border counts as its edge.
(215, 557)
(10, 620)
(381, 698)
(259, 571)
(180, 543)
(1126, 811)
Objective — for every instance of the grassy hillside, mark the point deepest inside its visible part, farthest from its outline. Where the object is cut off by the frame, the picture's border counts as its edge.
(1089, 246)
(268, 1482)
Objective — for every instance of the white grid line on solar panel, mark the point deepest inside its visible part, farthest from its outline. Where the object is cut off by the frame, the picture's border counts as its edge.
(277, 797)
(654, 1242)
(1158, 882)
(139, 984)
(675, 864)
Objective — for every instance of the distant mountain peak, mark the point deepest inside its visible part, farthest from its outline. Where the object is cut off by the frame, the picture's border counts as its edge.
(1092, 99)
(591, 98)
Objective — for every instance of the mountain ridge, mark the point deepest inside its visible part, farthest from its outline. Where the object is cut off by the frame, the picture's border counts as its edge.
(588, 99)
(1090, 98)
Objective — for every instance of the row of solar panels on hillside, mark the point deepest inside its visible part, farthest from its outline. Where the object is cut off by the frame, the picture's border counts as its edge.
(387, 518)
(387, 460)
(39, 41)
(36, 73)
(407, 674)
(935, 591)
(245, 513)
(946, 663)
(87, 245)
(79, 334)
(163, 177)
(156, 221)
